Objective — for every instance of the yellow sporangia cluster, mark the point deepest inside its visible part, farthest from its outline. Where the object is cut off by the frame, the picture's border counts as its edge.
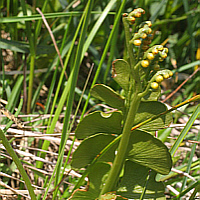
(143, 36)
(136, 13)
(155, 53)
(149, 57)
(158, 78)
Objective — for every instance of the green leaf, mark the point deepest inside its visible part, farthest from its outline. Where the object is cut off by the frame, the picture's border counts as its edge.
(185, 130)
(149, 109)
(149, 151)
(99, 122)
(91, 147)
(136, 179)
(121, 73)
(96, 179)
(23, 47)
(108, 95)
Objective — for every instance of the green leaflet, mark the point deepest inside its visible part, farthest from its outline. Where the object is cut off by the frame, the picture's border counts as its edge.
(136, 179)
(96, 178)
(99, 122)
(146, 150)
(150, 109)
(143, 149)
(108, 95)
(121, 73)
(91, 147)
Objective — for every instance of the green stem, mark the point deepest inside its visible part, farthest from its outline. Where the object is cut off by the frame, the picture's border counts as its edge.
(31, 77)
(120, 157)
(132, 60)
(129, 45)
(18, 163)
(32, 55)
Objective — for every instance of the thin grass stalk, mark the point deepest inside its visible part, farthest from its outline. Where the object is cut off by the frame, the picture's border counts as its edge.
(9, 124)
(185, 130)
(190, 162)
(32, 57)
(16, 90)
(52, 123)
(15, 12)
(72, 123)
(194, 185)
(39, 23)
(145, 186)
(50, 68)
(8, 8)
(118, 17)
(74, 75)
(3, 75)
(30, 86)
(193, 195)
(55, 72)
(18, 164)
(48, 103)
(44, 186)
(15, 158)
(157, 11)
(112, 49)
(97, 26)
(190, 29)
(47, 16)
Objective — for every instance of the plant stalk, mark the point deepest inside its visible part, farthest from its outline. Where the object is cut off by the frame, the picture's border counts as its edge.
(122, 149)
(132, 60)
(18, 163)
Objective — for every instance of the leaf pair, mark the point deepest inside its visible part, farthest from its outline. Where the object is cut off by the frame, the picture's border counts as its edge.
(142, 155)
(145, 156)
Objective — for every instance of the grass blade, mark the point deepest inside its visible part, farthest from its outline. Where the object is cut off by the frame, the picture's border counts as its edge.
(190, 163)
(185, 130)
(118, 17)
(17, 161)
(72, 85)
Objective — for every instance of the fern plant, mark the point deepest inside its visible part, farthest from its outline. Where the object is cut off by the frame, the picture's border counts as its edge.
(122, 162)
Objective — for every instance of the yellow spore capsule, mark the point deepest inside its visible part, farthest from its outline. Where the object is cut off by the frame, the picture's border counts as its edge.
(145, 63)
(137, 42)
(166, 50)
(149, 23)
(144, 35)
(159, 78)
(159, 47)
(148, 31)
(132, 20)
(150, 56)
(163, 55)
(137, 14)
(155, 51)
(140, 10)
(170, 73)
(166, 76)
(154, 85)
